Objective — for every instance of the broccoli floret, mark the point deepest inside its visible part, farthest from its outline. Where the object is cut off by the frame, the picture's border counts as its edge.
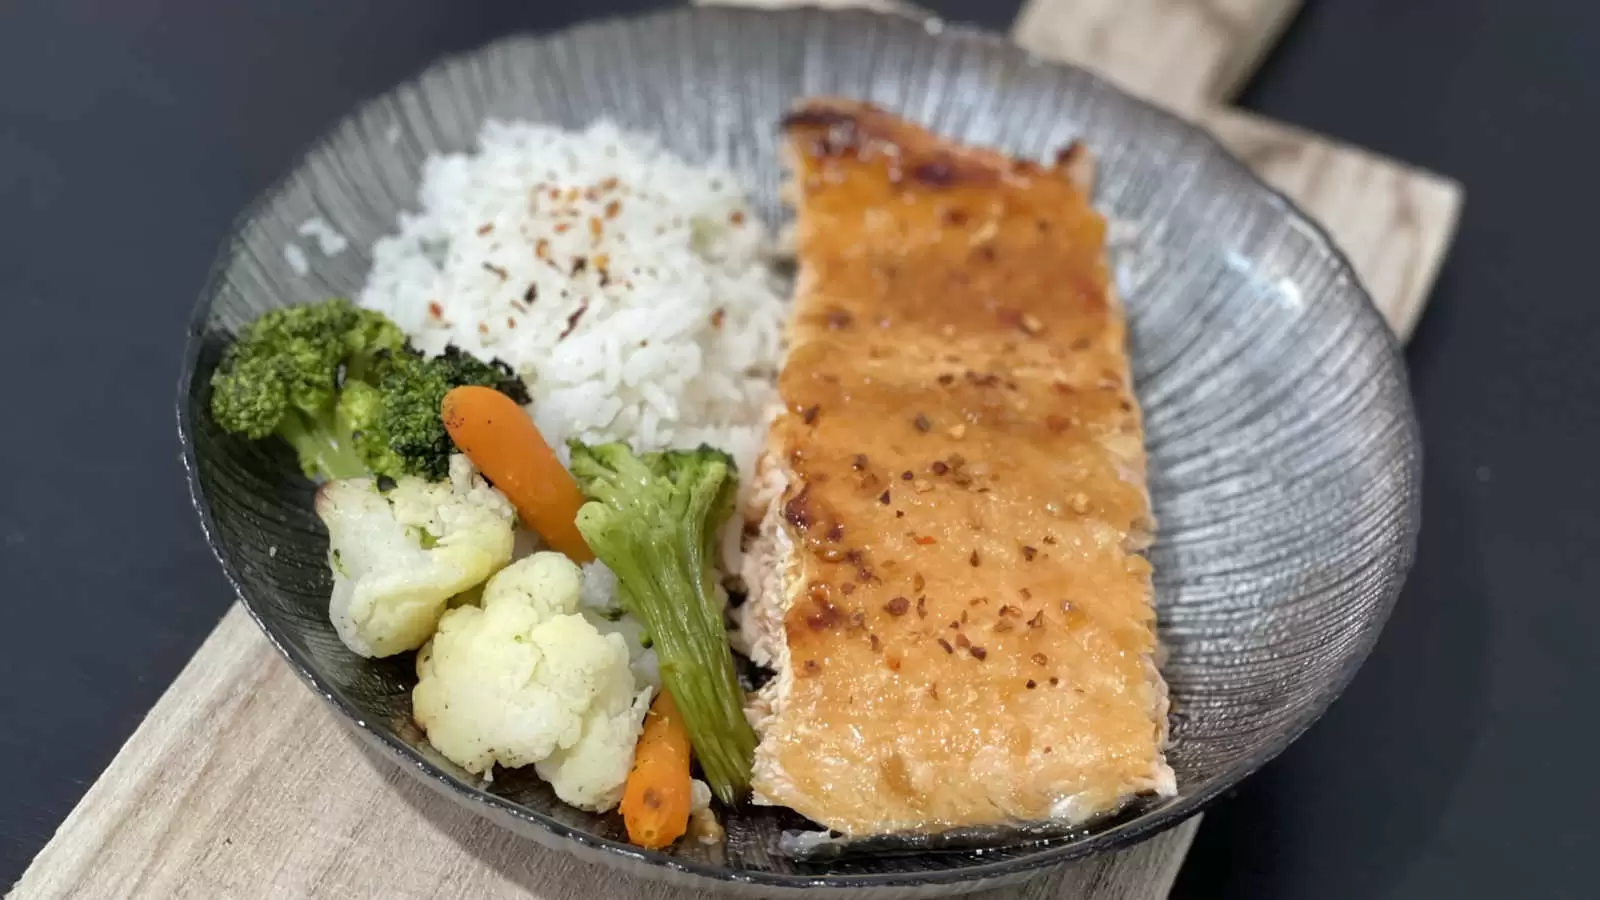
(654, 519)
(413, 387)
(342, 386)
(283, 376)
(359, 414)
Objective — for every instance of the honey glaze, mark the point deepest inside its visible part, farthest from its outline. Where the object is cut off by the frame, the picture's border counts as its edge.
(970, 627)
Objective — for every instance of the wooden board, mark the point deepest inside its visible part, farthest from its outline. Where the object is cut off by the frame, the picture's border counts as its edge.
(241, 783)
(1184, 54)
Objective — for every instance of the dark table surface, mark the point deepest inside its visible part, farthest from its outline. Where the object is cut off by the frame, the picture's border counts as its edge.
(132, 131)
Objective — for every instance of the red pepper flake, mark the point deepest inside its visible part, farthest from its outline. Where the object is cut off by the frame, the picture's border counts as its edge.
(838, 319)
(483, 328)
(498, 272)
(835, 532)
(810, 414)
(939, 467)
(1054, 681)
(897, 606)
(561, 227)
(613, 208)
(1057, 424)
(810, 667)
(607, 184)
(1030, 684)
(918, 582)
(579, 264)
(717, 315)
(899, 514)
(1037, 621)
(921, 423)
(1007, 609)
(541, 248)
(572, 320)
(978, 652)
(876, 644)
(485, 228)
(848, 588)
(946, 645)
(962, 642)
(884, 497)
(973, 559)
(1024, 593)
(933, 690)
(955, 625)
(893, 662)
(906, 475)
(736, 217)
(510, 322)
(1081, 344)
(922, 607)
(925, 540)
(531, 294)
(435, 310)
(1063, 388)
(1049, 539)
(1028, 553)
(1039, 659)
(947, 379)
(595, 228)
(954, 217)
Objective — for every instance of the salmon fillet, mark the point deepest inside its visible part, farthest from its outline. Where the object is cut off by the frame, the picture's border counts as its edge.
(947, 577)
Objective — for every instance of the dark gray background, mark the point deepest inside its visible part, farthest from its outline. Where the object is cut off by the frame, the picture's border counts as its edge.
(132, 131)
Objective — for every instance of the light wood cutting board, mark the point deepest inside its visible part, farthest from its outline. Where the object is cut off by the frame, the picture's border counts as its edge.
(242, 783)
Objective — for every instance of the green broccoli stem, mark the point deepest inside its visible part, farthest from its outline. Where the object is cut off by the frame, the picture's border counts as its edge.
(322, 448)
(684, 621)
(656, 528)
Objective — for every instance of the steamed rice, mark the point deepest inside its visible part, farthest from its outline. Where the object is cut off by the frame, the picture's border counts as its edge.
(630, 288)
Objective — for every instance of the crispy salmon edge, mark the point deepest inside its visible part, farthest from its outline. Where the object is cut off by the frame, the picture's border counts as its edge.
(770, 567)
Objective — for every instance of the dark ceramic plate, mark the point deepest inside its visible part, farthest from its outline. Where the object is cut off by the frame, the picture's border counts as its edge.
(1283, 449)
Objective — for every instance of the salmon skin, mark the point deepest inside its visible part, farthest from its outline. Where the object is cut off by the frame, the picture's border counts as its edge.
(948, 578)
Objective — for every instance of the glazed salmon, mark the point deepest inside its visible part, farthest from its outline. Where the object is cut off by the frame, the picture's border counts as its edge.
(949, 582)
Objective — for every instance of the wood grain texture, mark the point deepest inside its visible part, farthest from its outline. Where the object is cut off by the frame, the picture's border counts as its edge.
(242, 783)
(1184, 54)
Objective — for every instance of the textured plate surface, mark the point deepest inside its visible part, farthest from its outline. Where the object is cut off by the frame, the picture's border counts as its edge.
(1283, 451)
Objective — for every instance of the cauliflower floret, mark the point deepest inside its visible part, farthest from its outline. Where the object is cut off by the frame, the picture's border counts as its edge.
(525, 680)
(398, 556)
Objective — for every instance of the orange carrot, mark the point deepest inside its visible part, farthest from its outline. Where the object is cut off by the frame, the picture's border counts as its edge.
(497, 435)
(655, 801)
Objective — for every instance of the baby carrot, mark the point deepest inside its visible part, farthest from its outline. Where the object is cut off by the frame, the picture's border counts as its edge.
(497, 435)
(655, 801)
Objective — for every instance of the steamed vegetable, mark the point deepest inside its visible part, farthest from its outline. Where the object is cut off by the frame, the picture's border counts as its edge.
(525, 680)
(399, 553)
(414, 387)
(282, 377)
(656, 801)
(342, 387)
(500, 439)
(653, 520)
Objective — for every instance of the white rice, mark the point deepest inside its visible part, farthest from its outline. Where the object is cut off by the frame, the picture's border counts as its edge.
(630, 288)
(328, 238)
